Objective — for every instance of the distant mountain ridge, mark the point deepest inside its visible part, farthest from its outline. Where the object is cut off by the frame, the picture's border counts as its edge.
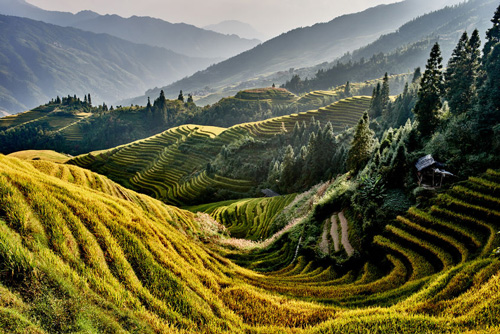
(242, 29)
(179, 37)
(40, 61)
(303, 47)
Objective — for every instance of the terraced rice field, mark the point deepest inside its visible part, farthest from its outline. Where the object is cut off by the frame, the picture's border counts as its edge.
(169, 166)
(430, 262)
(271, 94)
(56, 120)
(249, 219)
(318, 97)
(342, 114)
(109, 259)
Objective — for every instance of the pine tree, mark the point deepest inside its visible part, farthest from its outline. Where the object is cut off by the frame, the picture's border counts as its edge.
(148, 106)
(376, 103)
(190, 98)
(361, 145)
(89, 100)
(347, 90)
(417, 74)
(288, 169)
(492, 35)
(384, 96)
(429, 95)
(181, 96)
(488, 107)
(462, 72)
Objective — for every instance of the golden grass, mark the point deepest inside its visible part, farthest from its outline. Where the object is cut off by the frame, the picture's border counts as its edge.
(46, 155)
(79, 253)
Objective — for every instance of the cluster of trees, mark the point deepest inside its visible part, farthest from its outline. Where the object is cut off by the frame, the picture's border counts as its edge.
(359, 71)
(457, 113)
(311, 154)
(466, 134)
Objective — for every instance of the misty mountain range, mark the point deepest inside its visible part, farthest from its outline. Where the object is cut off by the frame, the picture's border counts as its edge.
(42, 60)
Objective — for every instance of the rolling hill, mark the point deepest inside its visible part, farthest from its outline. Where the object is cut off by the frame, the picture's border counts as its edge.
(305, 51)
(301, 47)
(121, 261)
(40, 61)
(181, 38)
(238, 28)
(176, 168)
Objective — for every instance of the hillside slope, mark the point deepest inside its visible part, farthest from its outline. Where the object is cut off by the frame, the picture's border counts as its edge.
(41, 61)
(303, 47)
(175, 166)
(181, 38)
(80, 254)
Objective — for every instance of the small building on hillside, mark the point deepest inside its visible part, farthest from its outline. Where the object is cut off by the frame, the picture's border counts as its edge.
(431, 173)
(269, 193)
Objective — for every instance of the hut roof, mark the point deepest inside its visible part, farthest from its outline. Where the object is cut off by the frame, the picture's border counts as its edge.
(270, 193)
(425, 162)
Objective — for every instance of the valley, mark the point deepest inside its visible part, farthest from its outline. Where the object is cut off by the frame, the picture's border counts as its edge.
(364, 198)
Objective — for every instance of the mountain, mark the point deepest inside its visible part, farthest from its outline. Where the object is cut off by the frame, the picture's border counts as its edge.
(402, 50)
(239, 28)
(24, 9)
(40, 61)
(179, 37)
(303, 47)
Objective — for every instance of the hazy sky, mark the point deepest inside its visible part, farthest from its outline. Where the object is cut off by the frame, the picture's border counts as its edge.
(271, 17)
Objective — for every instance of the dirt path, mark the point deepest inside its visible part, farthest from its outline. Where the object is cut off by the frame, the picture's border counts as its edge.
(345, 234)
(334, 232)
(323, 245)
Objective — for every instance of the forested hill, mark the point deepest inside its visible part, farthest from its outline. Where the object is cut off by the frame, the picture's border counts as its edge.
(180, 37)
(305, 46)
(41, 61)
(402, 50)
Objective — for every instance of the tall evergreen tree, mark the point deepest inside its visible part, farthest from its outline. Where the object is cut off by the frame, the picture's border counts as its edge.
(417, 74)
(181, 96)
(462, 72)
(347, 89)
(384, 96)
(288, 174)
(492, 35)
(488, 107)
(376, 103)
(429, 96)
(361, 146)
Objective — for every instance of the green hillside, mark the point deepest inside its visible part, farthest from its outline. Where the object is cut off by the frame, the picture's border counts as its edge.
(122, 262)
(250, 219)
(41, 61)
(176, 165)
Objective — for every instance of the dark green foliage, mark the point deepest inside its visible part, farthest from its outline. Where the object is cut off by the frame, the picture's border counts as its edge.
(347, 89)
(401, 108)
(417, 74)
(180, 97)
(384, 96)
(376, 105)
(361, 146)
(488, 113)
(429, 96)
(461, 74)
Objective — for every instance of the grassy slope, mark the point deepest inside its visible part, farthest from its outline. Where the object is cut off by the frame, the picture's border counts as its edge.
(79, 253)
(40, 155)
(171, 166)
